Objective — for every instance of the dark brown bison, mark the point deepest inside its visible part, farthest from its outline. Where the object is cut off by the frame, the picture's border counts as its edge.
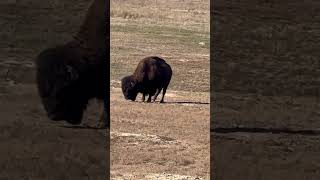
(151, 76)
(69, 75)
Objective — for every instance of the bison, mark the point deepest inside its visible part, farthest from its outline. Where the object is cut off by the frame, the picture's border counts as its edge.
(70, 75)
(151, 76)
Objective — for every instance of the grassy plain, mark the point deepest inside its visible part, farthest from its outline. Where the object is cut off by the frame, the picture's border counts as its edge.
(171, 140)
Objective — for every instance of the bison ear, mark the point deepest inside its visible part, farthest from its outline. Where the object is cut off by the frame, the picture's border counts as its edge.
(72, 73)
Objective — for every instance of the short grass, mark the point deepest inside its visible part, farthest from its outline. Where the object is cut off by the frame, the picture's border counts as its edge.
(140, 31)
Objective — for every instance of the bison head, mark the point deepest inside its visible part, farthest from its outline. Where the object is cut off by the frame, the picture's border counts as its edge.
(129, 87)
(59, 85)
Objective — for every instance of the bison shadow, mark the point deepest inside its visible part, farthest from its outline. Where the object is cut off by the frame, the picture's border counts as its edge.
(187, 102)
(181, 102)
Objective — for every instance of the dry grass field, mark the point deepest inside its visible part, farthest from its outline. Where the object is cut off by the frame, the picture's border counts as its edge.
(266, 75)
(170, 140)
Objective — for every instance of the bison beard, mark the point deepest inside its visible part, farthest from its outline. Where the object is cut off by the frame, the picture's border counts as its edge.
(151, 76)
(68, 76)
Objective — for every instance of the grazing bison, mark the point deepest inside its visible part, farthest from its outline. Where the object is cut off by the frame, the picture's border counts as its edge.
(151, 76)
(69, 75)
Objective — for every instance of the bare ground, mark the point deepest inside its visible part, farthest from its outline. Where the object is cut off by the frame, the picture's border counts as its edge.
(171, 138)
(32, 147)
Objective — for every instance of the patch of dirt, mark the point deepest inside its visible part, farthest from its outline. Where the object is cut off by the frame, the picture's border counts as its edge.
(163, 176)
(142, 138)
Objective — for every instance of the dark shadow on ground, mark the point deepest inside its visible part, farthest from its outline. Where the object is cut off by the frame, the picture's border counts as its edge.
(267, 130)
(185, 102)
(172, 102)
(82, 127)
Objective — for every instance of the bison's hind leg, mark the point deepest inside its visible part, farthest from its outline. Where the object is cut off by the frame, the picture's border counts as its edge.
(164, 90)
(149, 98)
(156, 95)
(143, 97)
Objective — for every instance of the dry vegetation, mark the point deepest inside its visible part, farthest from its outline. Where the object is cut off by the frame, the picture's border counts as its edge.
(135, 38)
(266, 75)
(161, 141)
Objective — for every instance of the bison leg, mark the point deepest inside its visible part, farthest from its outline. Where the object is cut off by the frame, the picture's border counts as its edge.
(163, 93)
(149, 98)
(143, 97)
(156, 95)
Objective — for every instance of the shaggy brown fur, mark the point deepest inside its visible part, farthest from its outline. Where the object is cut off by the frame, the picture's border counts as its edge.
(69, 75)
(151, 76)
